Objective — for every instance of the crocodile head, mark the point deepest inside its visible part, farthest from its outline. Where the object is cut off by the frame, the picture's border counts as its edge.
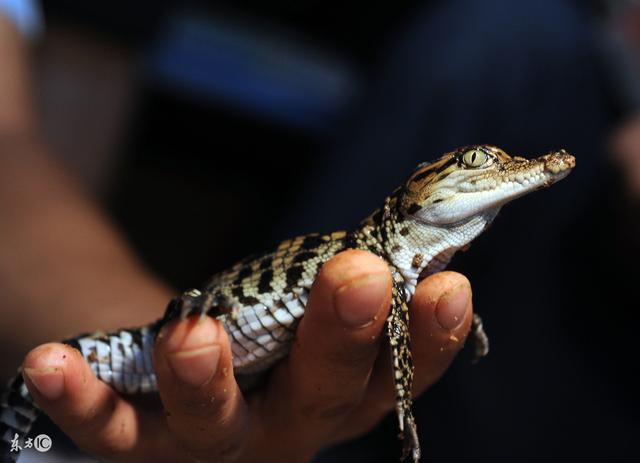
(477, 180)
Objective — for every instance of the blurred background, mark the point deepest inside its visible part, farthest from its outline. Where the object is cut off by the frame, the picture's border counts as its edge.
(210, 130)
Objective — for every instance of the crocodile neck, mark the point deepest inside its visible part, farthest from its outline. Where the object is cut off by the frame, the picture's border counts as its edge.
(416, 249)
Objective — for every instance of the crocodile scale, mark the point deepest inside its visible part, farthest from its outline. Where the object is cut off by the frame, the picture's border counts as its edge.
(441, 208)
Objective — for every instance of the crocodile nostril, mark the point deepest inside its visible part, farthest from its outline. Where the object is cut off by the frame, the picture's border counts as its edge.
(558, 162)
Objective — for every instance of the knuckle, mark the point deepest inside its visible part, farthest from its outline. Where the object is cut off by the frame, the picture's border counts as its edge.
(92, 420)
(380, 404)
(201, 407)
(111, 442)
(220, 453)
(217, 441)
(327, 409)
(351, 358)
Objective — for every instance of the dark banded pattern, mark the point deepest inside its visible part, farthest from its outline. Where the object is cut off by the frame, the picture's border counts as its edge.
(261, 300)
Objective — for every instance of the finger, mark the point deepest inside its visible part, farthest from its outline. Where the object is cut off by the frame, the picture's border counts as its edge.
(440, 318)
(442, 307)
(203, 404)
(92, 414)
(336, 345)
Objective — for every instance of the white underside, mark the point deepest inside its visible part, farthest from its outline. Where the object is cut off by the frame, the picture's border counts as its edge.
(261, 335)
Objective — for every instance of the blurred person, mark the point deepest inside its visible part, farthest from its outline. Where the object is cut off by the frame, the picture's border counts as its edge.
(625, 143)
(61, 260)
(621, 24)
(64, 269)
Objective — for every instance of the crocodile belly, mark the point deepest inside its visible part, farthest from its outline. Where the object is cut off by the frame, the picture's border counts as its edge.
(261, 334)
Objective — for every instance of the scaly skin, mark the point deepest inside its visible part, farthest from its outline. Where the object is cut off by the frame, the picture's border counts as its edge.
(440, 209)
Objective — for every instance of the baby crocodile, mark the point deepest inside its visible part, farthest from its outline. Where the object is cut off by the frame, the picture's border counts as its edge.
(441, 208)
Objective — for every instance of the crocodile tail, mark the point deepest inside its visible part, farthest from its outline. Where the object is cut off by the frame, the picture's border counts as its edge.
(122, 359)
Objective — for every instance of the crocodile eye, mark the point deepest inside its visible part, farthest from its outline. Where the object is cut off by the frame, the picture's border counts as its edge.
(474, 158)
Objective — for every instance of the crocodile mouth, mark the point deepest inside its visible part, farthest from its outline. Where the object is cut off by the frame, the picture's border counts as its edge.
(468, 192)
(520, 175)
(528, 175)
(513, 179)
(558, 164)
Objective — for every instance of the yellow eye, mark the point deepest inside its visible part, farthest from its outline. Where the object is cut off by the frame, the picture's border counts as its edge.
(474, 158)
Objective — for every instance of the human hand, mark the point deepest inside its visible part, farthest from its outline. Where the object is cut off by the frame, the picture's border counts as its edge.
(335, 384)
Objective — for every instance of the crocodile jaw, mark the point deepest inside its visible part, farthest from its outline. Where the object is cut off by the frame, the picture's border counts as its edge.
(467, 193)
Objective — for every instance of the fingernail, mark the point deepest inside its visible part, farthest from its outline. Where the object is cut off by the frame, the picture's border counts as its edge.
(196, 366)
(358, 302)
(452, 306)
(48, 381)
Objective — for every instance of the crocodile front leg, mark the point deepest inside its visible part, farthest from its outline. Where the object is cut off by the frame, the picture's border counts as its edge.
(400, 343)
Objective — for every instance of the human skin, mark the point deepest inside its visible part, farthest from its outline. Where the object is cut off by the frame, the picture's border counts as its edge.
(64, 269)
(335, 384)
(625, 147)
